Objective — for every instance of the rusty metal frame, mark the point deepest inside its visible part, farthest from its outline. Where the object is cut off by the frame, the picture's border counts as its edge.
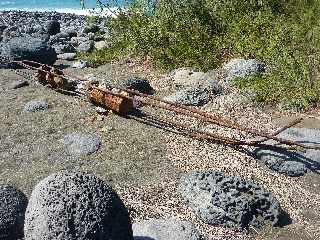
(121, 100)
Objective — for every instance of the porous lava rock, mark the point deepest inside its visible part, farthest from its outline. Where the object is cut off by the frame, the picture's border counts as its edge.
(29, 48)
(241, 68)
(139, 84)
(79, 144)
(292, 163)
(36, 105)
(52, 27)
(13, 204)
(72, 205)
(165, 229)
(190, 96)
(229, 201)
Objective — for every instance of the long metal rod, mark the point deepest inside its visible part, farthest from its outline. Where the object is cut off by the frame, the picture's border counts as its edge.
(289, 125)
(202, 135)
(170, 108)
(178, 108)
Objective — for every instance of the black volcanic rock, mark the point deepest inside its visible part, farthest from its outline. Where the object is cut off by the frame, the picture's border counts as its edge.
(53, 27)
(72, 205)
(230, 201)
(29, 48)
(13, 204)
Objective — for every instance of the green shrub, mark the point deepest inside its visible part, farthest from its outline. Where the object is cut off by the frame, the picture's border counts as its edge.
(204, 33)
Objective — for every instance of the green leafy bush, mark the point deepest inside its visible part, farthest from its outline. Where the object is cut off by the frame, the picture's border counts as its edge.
(204, 33)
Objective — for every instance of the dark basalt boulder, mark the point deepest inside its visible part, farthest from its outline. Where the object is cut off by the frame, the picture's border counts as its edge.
(230, 201)
(29, 48)
(13, 204)
(72, 205)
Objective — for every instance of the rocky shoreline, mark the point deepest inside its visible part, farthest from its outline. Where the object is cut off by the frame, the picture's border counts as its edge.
(66, 33)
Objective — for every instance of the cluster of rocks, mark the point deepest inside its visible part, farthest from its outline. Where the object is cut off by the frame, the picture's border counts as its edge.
(198, 88)
(77, 205)
(292, 163)
(44, 36)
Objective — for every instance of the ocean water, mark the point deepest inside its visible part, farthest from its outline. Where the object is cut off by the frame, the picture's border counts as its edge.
(69, 6)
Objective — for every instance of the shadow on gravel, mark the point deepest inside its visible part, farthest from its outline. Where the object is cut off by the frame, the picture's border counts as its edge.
(275, 156)
(154, 122)
(284, 220)
(142, 238)
(63, 66)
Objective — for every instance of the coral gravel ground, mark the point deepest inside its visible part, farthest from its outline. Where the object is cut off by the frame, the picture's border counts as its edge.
(142, 162)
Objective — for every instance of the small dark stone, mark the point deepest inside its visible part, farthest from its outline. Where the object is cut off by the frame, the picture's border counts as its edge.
(13, 204)
(139, 84)
(53, 27)
(35, 106)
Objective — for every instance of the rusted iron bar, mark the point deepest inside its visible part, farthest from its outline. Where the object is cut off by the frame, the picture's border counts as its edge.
(169, 122)
(289, 125)
(206, 116)
(199, 134)
(209, 117)
(119, 104)
(170, 108)
(108, 98)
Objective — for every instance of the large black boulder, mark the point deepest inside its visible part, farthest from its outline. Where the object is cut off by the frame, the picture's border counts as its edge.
(29, 48)
(13, 204)
(72, 205)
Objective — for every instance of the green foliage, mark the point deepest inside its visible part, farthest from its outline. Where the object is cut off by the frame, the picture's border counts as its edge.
(204, 33)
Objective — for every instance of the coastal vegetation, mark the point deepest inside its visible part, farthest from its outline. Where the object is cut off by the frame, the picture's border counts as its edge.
(204, 34)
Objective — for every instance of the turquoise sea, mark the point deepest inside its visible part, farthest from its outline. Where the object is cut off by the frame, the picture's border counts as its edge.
(48, 5)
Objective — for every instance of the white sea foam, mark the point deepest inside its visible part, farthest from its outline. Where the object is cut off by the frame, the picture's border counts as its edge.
(86, 12)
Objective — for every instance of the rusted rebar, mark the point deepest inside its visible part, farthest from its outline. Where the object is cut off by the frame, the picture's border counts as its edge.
(122, 99)
(249, 143)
